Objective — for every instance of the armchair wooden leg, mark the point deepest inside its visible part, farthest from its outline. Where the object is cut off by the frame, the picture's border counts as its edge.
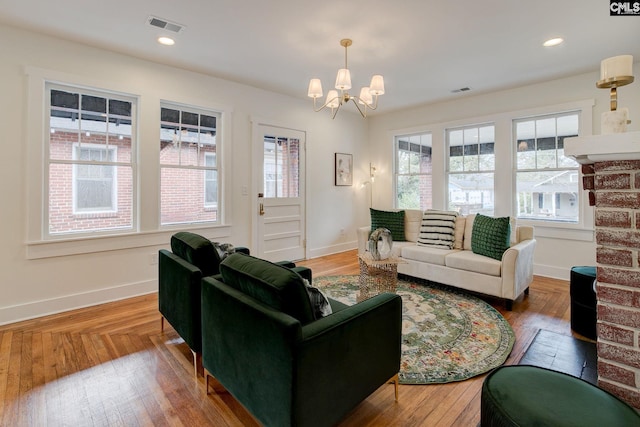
(207, 375)
(197, 361)
(395, 380)
(161, 323)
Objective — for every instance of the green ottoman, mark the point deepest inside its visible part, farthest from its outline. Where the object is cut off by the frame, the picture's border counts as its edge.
(522, 395)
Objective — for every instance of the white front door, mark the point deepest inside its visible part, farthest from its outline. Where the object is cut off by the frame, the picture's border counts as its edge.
(279, 155)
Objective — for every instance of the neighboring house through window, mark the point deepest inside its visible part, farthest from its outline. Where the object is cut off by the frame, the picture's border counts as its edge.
(413, 171)
(189, 165)
(547, 185)
(90, 161)
(471, 166)
(94, 186)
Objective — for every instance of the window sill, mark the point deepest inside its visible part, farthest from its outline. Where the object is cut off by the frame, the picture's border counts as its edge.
(564, 231)
(95, 244)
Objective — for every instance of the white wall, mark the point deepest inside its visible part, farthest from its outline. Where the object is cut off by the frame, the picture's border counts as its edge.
(112, 268)
(557, 250)
(108, 269)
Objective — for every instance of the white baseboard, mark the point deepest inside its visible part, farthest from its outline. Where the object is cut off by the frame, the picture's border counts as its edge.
(31, 310)
(333, 249)
(554, 272)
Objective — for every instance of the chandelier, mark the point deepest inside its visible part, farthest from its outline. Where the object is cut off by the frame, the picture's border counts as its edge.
(368, 95)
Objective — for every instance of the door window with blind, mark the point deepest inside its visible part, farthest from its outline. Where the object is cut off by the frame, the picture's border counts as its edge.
(281, 166)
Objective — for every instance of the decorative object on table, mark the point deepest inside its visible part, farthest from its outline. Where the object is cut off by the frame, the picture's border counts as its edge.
(344, 169)
(447, 335)
(615, 72)
(368, 94)
(380, 244)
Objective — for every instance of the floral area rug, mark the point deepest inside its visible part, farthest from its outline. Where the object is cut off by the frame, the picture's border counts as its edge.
(447, 335)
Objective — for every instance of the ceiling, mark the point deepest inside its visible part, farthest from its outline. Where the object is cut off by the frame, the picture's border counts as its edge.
(425, 49)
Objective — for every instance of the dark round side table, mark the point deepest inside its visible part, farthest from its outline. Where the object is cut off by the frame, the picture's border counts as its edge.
(583, 301)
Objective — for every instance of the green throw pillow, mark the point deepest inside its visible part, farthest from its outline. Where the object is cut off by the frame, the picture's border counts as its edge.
(392, 221)
(490, 236)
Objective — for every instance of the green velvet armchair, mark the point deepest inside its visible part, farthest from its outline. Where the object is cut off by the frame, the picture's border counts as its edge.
(180, 273)
(262, 342)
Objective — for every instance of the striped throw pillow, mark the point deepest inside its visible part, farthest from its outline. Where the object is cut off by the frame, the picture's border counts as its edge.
(438, 229)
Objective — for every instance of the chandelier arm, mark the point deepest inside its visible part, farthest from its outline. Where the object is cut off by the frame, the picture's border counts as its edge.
(355, 101)
(326, 104)
(335, 111)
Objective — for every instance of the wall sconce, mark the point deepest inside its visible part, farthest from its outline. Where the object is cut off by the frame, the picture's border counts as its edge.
(615, 72)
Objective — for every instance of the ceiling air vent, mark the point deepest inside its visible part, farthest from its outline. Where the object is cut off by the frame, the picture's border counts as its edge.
(462, 89)
(164, 24)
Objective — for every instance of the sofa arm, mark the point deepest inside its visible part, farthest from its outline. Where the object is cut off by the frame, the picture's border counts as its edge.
(517, 268)
(363, 238)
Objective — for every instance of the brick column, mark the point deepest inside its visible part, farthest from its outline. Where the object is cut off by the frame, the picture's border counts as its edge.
(615, 186)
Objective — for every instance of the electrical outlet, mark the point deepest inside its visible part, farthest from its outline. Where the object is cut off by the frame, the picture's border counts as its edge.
(153, 259)
(342, 231)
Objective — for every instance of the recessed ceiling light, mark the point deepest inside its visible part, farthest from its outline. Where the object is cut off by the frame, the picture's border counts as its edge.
(553, 42)
(167, 41)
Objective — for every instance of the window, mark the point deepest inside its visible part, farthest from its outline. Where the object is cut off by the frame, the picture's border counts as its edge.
(471, 169)
(414, 186)
(188, 165)
(94, 186)
(210, 181)
(543, 173)
(90, 161)
(281, 166)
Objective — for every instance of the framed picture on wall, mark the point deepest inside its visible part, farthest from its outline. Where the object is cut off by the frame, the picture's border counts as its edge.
(344, 169)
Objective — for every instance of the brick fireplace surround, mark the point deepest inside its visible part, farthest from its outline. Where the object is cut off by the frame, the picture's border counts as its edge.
(611, 175)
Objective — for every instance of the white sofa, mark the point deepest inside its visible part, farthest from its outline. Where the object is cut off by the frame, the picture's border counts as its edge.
(461, 268)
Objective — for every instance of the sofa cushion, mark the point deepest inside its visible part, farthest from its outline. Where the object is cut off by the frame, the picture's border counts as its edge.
(428, 254)
(468, 231)
(467, 260)
(412, 223)
(437, 229)
(491, 236)
(392, 221)
(196, 250)
(458, 234)
(272, 284)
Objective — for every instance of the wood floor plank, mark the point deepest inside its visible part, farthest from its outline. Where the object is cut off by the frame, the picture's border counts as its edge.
(110, 365)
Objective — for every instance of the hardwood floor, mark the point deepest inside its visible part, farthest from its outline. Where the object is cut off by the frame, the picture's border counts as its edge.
(110, 365)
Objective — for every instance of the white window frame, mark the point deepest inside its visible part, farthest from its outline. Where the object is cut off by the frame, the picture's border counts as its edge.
(211, 205)
(574, 171)
(396, 148)
(462, 128)
(44, 233)
(114, 187)
(190, 108)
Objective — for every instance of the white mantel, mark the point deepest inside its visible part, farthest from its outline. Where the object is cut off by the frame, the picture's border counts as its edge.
(602, 148)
